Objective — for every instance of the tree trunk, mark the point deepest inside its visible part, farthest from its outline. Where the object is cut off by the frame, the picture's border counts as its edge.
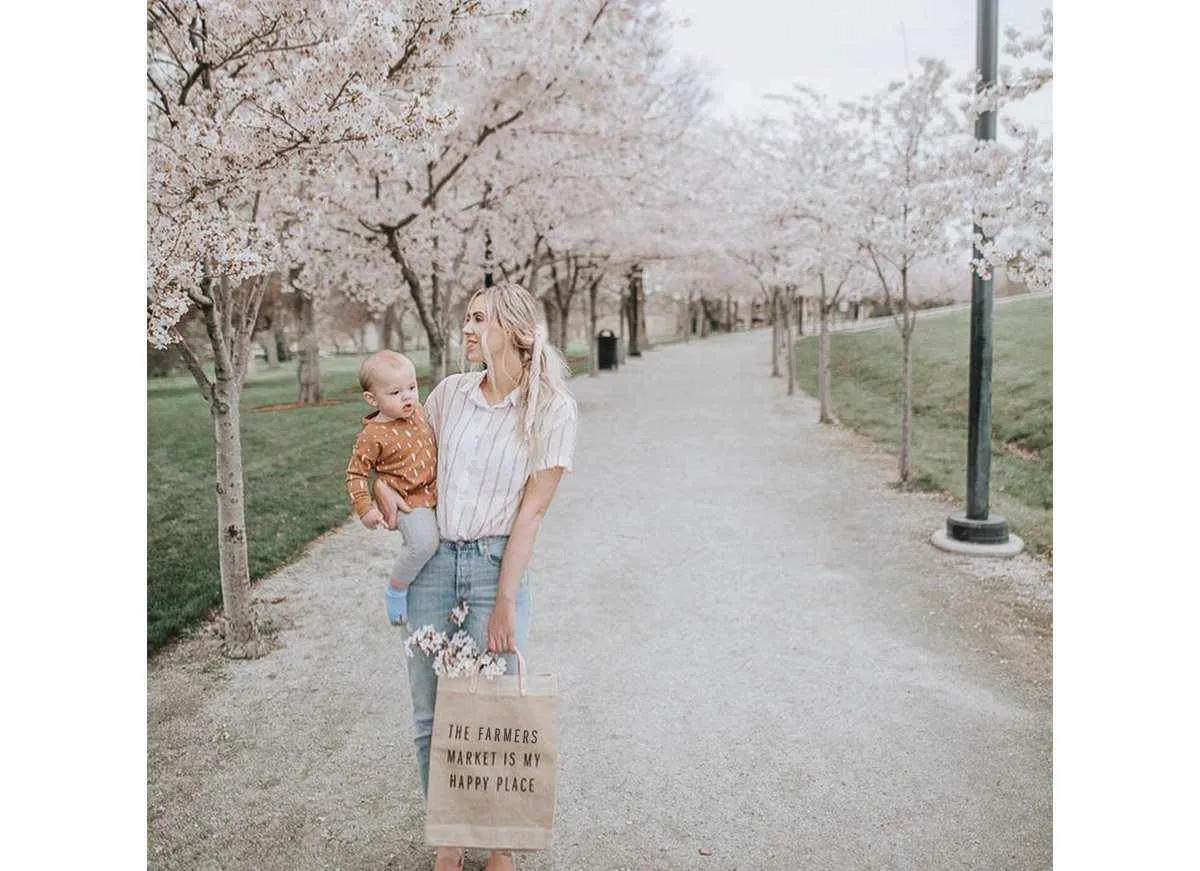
(308, 373)
(790, 356)
(439, 355)
(906, 404)
(775, 331)
(387, 327)
(241, 638)
(534, 264)
(270, 343)
(643, 321)
(593, 342)
(439, 307)
(554, 320)
(800, 317)
(230, 336)
(562, 329)
(633, 311)
(728, 312)
(827, 415)
(623, 328)
(690, 327)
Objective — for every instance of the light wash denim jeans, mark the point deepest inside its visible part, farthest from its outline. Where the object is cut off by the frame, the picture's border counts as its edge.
(458, 570)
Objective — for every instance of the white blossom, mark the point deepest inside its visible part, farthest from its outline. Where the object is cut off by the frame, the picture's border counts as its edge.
(428, 639)
(458, 656)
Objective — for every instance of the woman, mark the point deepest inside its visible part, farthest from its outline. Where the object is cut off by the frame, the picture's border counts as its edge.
(505, 435)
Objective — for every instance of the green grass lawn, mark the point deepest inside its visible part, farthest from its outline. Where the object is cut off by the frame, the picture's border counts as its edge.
(295, 491)
(865, 383)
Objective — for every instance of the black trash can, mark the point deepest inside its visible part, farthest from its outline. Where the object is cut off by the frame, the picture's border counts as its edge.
(606, 350)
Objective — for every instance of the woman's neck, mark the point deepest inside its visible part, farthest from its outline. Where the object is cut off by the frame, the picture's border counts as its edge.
(499, 382)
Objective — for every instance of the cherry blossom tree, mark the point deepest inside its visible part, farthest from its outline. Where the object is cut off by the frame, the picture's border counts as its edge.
(821, 158)
(411, 210)
(1009, 181)
(243, 100)
(907, 200)
(755, 193)
(574, 178)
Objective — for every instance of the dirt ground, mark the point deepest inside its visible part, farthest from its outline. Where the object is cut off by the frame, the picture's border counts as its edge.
(763, 664)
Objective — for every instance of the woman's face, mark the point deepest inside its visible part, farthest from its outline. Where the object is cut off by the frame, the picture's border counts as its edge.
(478, 329)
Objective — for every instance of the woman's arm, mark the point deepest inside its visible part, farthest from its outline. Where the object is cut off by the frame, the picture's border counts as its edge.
(538, 494)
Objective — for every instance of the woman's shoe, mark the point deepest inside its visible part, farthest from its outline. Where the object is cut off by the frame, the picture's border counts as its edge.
(501, 860)
(449, 859)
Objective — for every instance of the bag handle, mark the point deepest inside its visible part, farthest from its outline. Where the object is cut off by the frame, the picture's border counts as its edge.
(474, 685)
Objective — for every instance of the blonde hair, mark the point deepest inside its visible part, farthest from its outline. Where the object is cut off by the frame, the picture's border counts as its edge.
(512, 308)
(374, 366)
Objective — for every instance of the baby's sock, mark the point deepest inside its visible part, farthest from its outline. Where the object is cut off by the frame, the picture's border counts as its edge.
(397, 605)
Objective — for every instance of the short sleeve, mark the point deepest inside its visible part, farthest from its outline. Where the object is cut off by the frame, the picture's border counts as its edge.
(557, 435)
(434, 402)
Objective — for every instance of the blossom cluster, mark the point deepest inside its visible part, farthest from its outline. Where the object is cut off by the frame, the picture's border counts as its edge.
(458, 655)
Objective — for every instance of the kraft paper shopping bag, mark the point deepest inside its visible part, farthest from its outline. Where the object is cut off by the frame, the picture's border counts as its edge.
(493, 761)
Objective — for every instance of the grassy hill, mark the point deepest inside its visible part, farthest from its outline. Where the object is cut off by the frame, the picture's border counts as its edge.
(865, 383)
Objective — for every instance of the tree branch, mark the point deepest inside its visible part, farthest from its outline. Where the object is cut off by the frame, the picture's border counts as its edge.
(162, 96)
(411, 279)
(222, 364)
(253, 292)
(194, 365)
(187, 86)
(887, 296)
(226, 307)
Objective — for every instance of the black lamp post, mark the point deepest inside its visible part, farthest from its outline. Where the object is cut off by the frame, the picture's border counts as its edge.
(977, 525)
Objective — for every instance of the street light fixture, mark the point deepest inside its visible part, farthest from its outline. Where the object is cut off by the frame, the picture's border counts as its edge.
(977, 530)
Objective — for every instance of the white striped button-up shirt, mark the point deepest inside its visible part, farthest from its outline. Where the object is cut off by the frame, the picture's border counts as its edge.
(483, 458)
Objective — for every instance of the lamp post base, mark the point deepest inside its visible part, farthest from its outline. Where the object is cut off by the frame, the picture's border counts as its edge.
(988, 537)
(993, 529)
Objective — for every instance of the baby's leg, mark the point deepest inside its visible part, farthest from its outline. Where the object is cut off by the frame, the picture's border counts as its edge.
(420, 531)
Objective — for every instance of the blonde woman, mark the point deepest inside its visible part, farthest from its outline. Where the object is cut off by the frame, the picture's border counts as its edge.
(504, 437)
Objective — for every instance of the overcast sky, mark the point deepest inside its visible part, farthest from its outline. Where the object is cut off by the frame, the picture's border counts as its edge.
(844, 48)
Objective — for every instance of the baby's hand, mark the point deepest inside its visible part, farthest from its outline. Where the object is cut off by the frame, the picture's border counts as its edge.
(389, 502)
(372, 518)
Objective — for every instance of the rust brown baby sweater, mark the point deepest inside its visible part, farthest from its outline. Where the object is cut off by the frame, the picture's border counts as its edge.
(401, 452)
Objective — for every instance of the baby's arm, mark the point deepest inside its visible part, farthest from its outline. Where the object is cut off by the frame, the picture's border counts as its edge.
(358, 479)
(389, 502)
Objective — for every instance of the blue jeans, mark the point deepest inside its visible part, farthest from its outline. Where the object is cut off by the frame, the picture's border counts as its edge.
(458, 570)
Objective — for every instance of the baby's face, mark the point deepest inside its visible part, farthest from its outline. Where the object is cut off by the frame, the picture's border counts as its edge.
(396, 393)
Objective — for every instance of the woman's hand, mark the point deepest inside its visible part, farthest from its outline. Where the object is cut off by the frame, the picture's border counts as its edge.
(389, 502)
(502, 627)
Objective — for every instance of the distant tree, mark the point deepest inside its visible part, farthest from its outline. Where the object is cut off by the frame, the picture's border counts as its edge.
(906, 200)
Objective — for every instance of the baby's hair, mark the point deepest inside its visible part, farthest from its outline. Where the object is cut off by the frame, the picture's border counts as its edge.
(378, 363)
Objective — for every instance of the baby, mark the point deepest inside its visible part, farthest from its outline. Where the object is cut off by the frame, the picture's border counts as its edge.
(397, 444)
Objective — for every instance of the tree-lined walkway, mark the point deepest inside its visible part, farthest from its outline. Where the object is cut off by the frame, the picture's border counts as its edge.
(763, 662)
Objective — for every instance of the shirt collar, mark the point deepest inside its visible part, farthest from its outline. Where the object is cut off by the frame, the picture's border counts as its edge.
(472, 385)
(373, 418)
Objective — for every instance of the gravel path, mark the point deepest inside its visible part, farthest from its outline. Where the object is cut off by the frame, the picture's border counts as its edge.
(763, 663)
